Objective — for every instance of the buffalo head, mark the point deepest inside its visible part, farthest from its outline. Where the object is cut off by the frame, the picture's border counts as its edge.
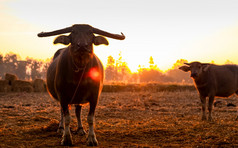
(196, 68)
(81, 40)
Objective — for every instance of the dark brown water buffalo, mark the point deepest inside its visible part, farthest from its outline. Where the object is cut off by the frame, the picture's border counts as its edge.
(213, 81)
(76, 75)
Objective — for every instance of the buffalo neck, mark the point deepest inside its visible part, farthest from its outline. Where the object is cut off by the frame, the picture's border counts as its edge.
(202, 80)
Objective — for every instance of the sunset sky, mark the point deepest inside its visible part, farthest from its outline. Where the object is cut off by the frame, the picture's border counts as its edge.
(167, 30)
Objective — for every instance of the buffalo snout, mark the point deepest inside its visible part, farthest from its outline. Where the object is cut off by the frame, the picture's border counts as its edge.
(194, 75)
(86, 49)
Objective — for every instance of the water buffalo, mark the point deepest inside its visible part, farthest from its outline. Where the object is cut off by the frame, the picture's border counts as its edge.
(76, 75)
(213, 81)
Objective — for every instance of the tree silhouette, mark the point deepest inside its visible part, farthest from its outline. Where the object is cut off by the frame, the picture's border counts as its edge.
(10, 63)
(151, 74)
(151, 62)
(229, 62)
(21, 69)
(45, 66)
(110, 71)
(179, 63)
(177, 75)
(116, 70)
(24, 69)
(122, 69)
(34, 67)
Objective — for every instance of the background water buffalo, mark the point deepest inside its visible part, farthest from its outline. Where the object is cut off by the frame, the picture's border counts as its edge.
(76, 75)
(213, 81)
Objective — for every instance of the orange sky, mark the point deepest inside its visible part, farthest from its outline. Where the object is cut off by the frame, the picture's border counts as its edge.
(167, 30)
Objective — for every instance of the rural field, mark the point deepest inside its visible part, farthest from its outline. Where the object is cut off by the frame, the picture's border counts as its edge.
(140, 118)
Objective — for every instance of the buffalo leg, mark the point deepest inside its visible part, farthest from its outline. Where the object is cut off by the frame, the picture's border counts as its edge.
(61, 126)
(67, 140)
(80, 129)
(210, 105)
(92, 141)
(204, 103)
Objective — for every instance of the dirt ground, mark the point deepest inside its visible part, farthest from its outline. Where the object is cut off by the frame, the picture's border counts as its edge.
(123, 119)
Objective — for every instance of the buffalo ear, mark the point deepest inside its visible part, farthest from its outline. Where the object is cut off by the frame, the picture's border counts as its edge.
(63, 39)
(184, 68)
(205, 67)
(100, 40)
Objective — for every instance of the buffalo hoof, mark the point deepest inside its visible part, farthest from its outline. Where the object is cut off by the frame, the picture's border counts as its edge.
(92, 141)
(66, 141)
(81, 131)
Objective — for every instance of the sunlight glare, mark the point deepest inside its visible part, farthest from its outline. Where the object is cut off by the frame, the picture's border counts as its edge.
(94, 74)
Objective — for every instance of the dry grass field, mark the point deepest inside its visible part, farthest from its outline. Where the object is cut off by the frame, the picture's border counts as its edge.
(123, 119)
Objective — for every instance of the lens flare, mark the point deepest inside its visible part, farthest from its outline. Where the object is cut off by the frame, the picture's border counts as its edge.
(94, 74)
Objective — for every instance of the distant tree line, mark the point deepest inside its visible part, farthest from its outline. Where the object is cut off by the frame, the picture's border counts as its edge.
(116, 70)
(28, 69)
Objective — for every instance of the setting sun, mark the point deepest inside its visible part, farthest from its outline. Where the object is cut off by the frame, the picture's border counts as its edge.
(166, 30)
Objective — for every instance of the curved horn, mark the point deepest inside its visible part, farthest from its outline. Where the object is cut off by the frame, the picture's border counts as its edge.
(187, 64)
(56, 32)
(107, 34)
